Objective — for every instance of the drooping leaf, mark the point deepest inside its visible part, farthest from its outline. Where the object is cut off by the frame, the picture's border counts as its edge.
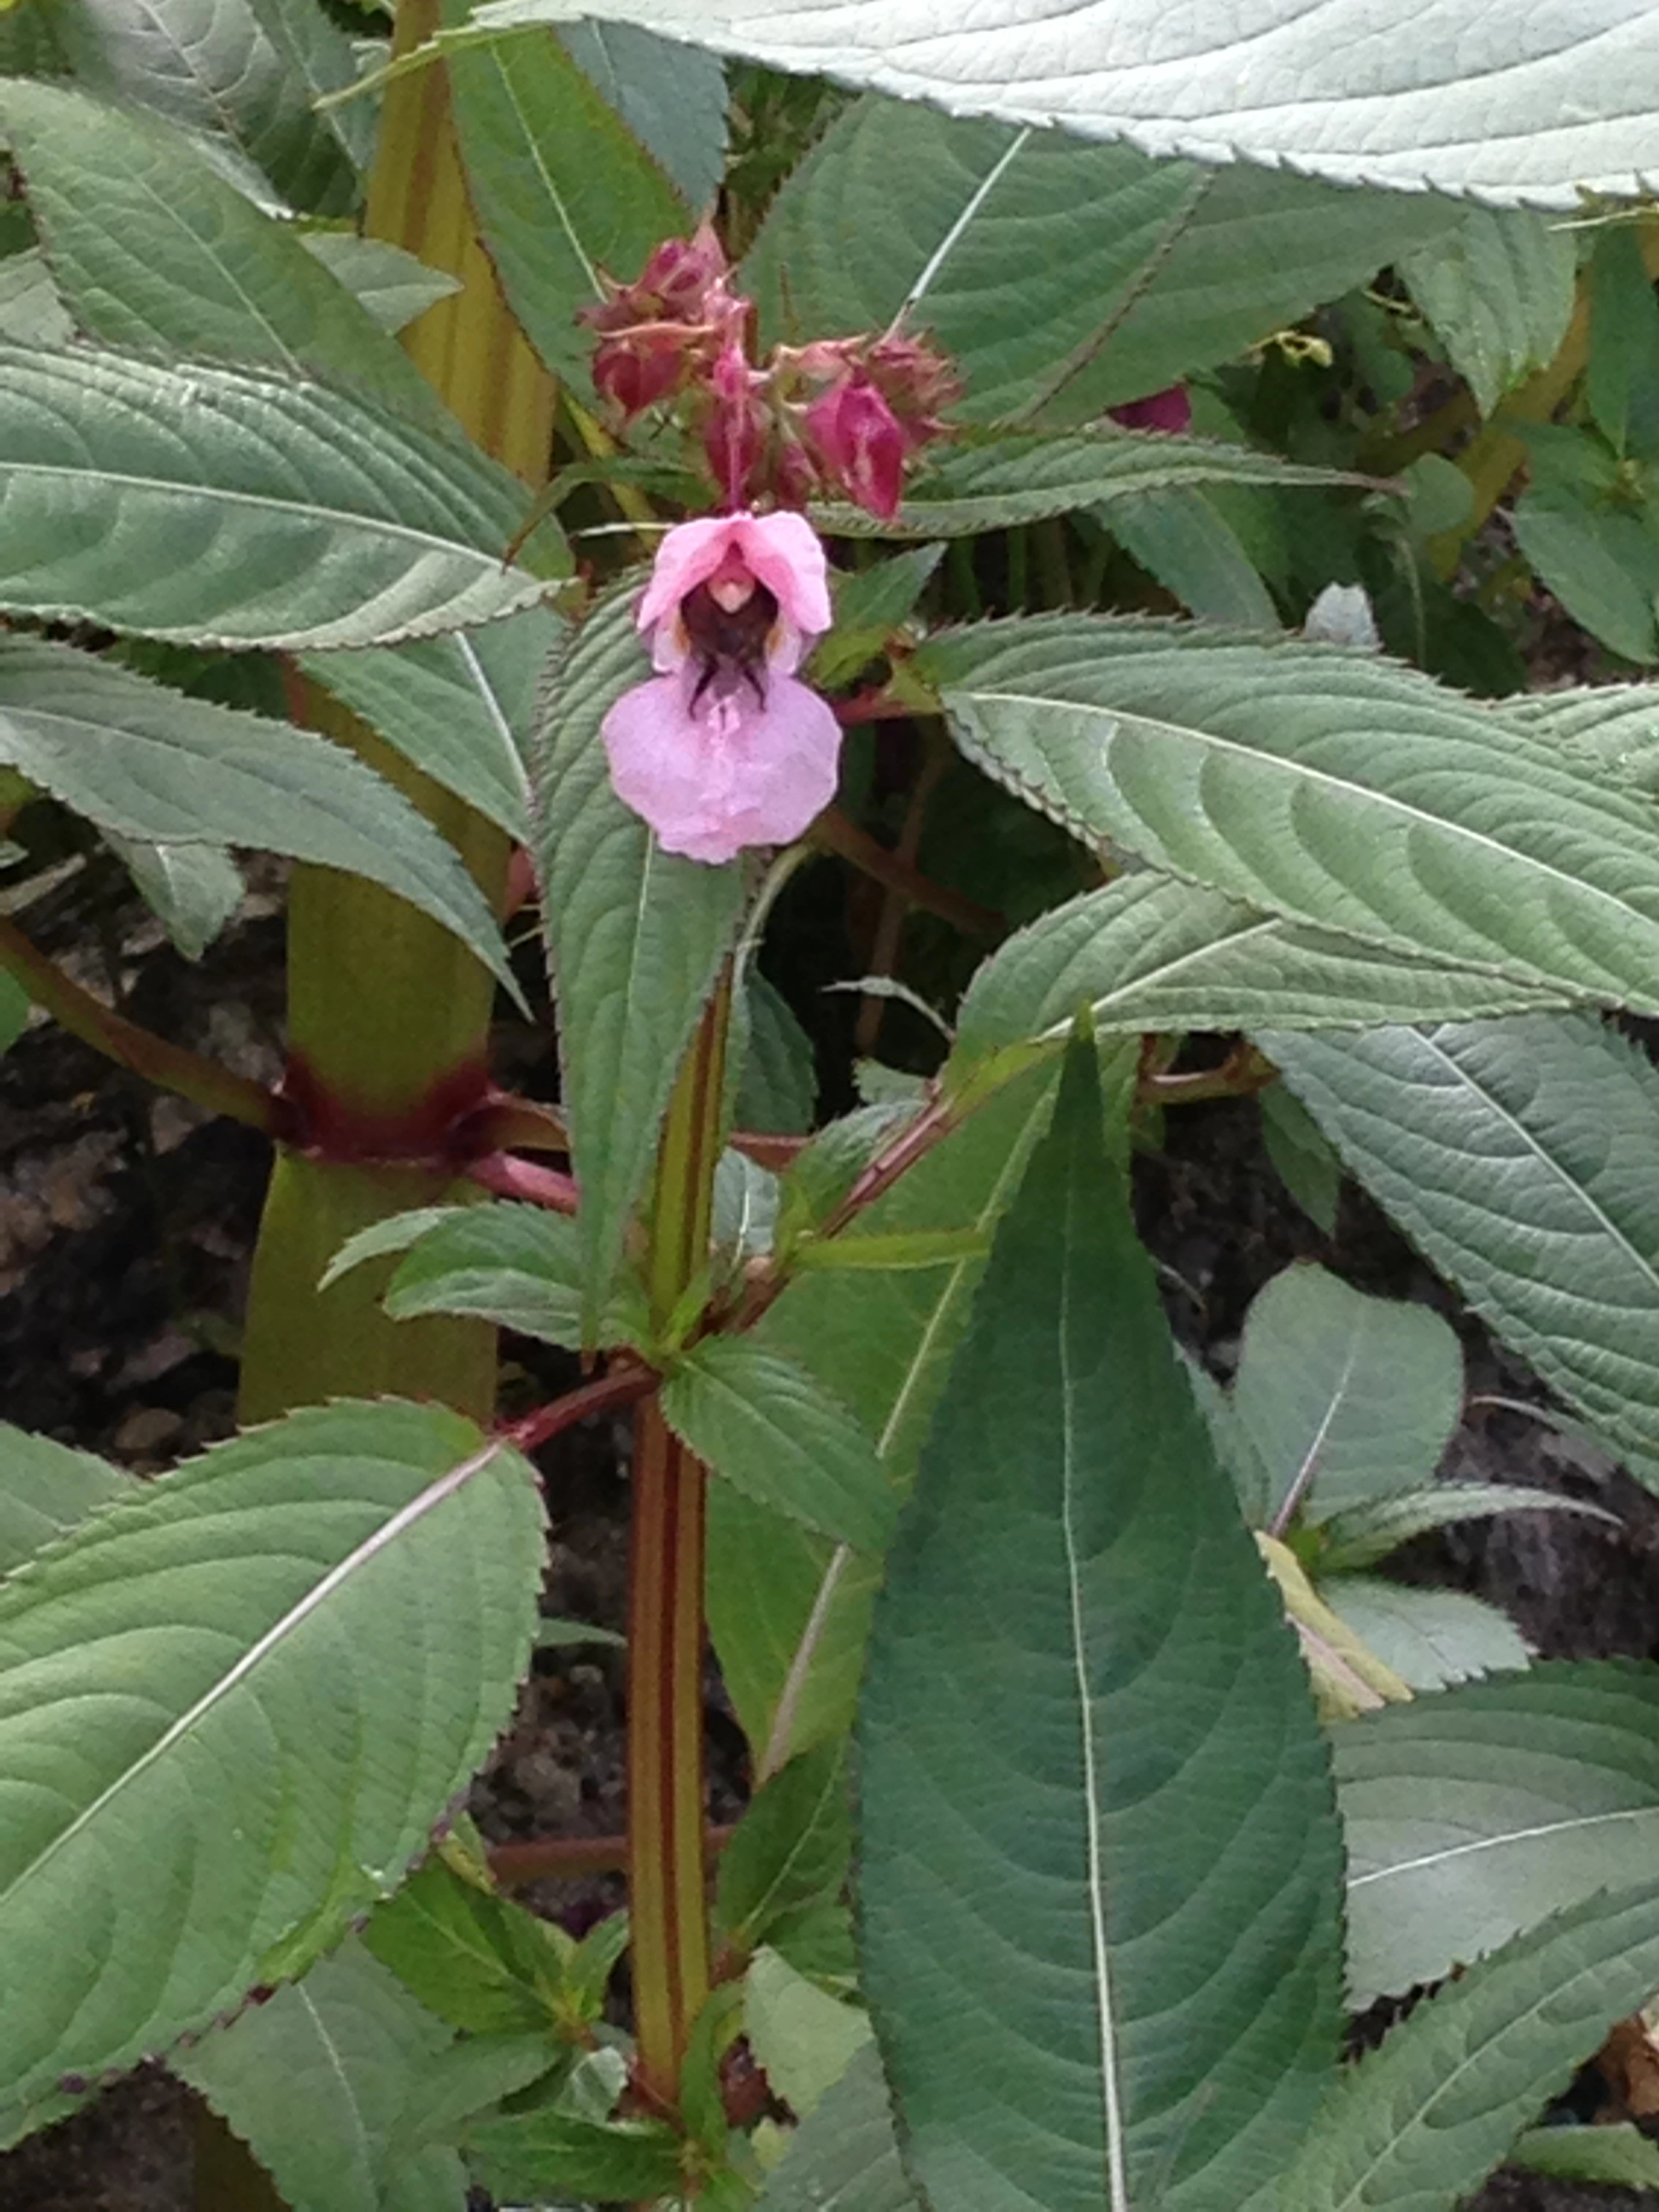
(777, 1076)
(790, 1846)
(1429, 1638)
(1343, 1398)
(387, 282)
(1498, 290)
(321, 2082)
(219, 508)
(154, 251)
(519, 1266)
(803, 2038)
(219, 72)
(1329, 786)
(265, 1677)
(671, 97)
(1078, 1671)
(1184, 543)
(770, 1428)
(1476, 1813)
(149, 763)
(1361, 1534)
(1422, 2121)
(1018, 477)
(1146, 953)
(634, 937)
(1495, 108)
(478, 1960)
(1307, 1161)
(46, 1490)
(1055, 272)
(191, 889)
(459, 709)
(562, 188)
(1519, 1157)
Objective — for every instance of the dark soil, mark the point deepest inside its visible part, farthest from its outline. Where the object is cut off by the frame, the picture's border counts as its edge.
(126, 1226)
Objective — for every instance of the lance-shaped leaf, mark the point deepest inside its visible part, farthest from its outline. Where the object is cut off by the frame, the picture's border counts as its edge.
(224, 509)
(1495, 107)
(1099, 1867)
(1519, 1157)
(1024, 477)
(1052, 272)
(460, 709)
(561, 187)
(327, 2083)
(519, 1266)
(1476, 1813)
(671, 97)
(191, 889)
(262, 1681)
(146, 761)
(1323, 785)
(154, 249)
(1150, 953)
(1421, 2122)
(634, 937)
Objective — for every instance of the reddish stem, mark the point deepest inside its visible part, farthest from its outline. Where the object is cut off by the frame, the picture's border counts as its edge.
(834, 832)
(514, 1178)
(568, 1858)
(624, 1385)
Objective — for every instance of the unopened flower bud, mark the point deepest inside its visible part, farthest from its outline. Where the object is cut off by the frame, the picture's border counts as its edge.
(861, 444)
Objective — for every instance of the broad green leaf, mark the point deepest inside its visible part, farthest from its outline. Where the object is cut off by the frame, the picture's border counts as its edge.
(1429, 1638)
(1617, 2153)
(1623, 334)
(1475, 1813)
(1612, 729)
(1330, 786)
(768, 1426)
(519, 1266)
(1496, 107)
(387, 283)
(191, 889)
(560, 188)
(1498, 291)
(1342, 1398)
(14, 1010)
(264, 1680)
(548, 2152)
(1363, 1533)
(1307, 1161)
(232, 72)
(634, 936)
(213, 507)
(1020, 476)
(321, 2082)
(1421, 2122)
(790, 1849)
(1052, 272)
(1519, 1157)
(46, 1490)
(1183, 543)
(803, 2038)
(1594, 547)
(479, 1962)
(149, 763)
(154, 251)
(671, 97)
(1098, 1865)
(1146, 953)
(459, 709)
(777, 1076)
(845, 2158)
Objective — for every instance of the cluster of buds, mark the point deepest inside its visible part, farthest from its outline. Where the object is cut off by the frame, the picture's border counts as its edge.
(841, 417)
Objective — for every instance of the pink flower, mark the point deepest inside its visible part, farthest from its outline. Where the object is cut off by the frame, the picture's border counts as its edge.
(723, 747)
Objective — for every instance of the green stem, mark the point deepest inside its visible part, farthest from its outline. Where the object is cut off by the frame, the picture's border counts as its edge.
(667, 1868)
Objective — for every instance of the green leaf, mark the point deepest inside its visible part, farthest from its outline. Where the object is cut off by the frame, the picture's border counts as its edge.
(671, 97)
(476, 1959)
(1429, 1637)
(1498, 291)
(224, 509)
(315, 50)
(1600, 557)
(1518, 1156)
(1366, 1533)
(1079, 1672)
(1045, 266)
(217, 71)
(1619, 2154)
(396, 1233)
(389, 284)
(803, 2038)
(845, 2157)
(154, 251)
(1307, 1161)
(1497, 109)
(459, 709)
(539, 2152)
(1343, 1399)
(1334, 788)
(778, 1082)
(768, 1426)
(318, 2082)
(219, 1681)
(46, 1490)
(1421, 2122)
(560, 188)
(14, 1010)
(191, 889)
(634, 935)
(1476, 1813)
(31, 312)
(1183, 543)
(1623, 337)
(790, 1849)
(149, 762)
(1016, 477)
(1149, 953)
(519, 1266)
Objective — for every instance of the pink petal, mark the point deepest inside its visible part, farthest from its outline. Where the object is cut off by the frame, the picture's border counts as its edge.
(689, 554)
(737, 772)
(784, 552)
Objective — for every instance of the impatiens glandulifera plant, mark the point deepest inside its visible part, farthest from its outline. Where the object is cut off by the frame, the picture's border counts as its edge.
(1039, 1898)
